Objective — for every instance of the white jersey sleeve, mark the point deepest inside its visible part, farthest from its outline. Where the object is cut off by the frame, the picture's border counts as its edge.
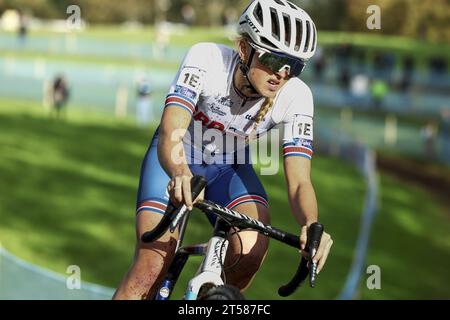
(298, 122)
(187, 86)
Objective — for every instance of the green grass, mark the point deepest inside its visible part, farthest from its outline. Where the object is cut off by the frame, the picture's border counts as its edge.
(68, 193)
(415, 262)
(369, 128)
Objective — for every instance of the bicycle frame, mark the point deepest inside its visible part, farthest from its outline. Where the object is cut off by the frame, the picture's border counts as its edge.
(210, 270)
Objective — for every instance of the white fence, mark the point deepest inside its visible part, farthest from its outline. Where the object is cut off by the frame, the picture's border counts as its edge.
(20, 280)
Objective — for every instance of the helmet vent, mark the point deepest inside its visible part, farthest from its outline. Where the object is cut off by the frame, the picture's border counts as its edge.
(308, 33)
(314, 39)
(258, 14)
(275, 24)
(279, 2)
(268, 42)
(298, 40)
(292, 6)
(287, 29)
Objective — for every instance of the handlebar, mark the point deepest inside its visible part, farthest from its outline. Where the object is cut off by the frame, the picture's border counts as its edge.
(197, 185)
(315, 231)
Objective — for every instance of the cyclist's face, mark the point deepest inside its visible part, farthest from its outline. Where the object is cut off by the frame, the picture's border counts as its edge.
(266, 82)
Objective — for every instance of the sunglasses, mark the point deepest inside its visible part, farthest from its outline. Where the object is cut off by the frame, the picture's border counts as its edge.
(279, 62)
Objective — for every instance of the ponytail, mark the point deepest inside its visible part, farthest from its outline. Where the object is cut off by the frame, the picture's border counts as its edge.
(265, 108)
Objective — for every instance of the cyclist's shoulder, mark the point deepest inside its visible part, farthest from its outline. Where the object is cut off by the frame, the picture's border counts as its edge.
(297, 89)
(294, 98)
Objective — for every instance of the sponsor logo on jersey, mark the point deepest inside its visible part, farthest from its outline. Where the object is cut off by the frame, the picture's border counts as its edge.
(226, 102)
(188, 93)
(250, 117)
(299, 147)
(217, 110)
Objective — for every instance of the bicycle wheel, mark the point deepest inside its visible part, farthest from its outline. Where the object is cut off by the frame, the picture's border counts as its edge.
(224, 292)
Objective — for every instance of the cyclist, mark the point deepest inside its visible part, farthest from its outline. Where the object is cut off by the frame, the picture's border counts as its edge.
(221, 95)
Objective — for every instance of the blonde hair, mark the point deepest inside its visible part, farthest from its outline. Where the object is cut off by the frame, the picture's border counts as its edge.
(265, 108)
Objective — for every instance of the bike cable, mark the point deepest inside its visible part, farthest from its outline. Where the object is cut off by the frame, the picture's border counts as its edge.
(235, 231)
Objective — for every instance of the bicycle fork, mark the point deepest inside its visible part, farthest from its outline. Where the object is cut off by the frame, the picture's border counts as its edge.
(210, 270)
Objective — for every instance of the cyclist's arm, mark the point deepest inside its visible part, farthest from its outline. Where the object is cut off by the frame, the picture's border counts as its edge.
(298, 151)
(180, 105)
(302, 197)
(174, 124)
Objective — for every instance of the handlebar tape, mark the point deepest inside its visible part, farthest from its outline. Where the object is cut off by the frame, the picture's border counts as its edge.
(197, 184)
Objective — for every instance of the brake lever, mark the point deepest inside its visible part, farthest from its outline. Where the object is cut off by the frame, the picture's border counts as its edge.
(198, 183)
(315, 231)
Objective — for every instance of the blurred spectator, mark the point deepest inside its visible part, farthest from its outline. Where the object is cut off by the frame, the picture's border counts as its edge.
(162, 40)
(388, 65)
(438, 69)
(407, 73)
(429, 133)
(359, 90)
(144, 103)
(23, 27)
(60, 95)
(360, 60)
(344, 81)
(344, 78)
(343, 55)
(378, 65)
(438, 64)
(383, 64)
(379, 90)
(188, 14)
(319, 64)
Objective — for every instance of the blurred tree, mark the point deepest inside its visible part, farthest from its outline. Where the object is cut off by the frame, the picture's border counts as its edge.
(39, 8)
(427, 19)
(208, 12)
(327, 15)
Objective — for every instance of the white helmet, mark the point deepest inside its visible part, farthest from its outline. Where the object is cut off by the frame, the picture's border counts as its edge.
(280, 26)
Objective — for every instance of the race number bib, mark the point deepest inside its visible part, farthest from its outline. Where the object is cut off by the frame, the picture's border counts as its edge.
(191, 79)
(302, 127)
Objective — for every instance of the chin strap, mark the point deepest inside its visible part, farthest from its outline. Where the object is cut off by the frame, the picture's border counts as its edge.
(245, 68)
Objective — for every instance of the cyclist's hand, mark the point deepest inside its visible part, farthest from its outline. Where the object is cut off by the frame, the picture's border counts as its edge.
(322, 252)
(179, 189)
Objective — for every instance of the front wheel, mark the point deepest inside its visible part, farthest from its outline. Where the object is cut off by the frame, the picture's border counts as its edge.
(224, 292)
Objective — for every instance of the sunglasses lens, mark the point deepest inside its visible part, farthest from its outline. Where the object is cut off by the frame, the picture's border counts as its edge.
(278, 63)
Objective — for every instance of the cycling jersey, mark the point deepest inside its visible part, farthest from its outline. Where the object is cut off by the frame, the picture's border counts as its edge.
(228, 185)
(223, 118)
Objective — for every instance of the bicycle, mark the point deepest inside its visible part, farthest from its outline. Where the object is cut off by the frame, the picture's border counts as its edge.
(208, 284)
